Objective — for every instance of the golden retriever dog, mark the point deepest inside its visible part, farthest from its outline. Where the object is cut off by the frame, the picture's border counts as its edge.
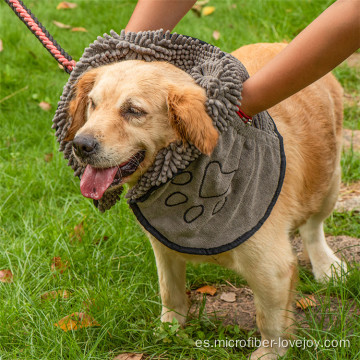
(135, 108)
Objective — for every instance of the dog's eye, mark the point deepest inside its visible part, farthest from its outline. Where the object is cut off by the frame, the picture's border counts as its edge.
(134, 111)
(92, 104)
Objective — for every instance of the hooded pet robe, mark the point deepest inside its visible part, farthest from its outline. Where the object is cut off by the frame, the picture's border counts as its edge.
(191, 202)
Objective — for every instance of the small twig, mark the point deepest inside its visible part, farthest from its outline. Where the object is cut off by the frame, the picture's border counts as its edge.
(13, 94)
(234, 287)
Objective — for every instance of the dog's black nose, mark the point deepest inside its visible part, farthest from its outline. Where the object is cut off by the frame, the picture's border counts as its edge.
(84, 145)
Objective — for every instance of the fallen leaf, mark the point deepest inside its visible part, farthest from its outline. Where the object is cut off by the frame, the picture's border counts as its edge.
(76, 321)
(58, 265)
(233, 6)
(216, 35)
(61, 25)
(48, 157)
(207, 289)
(6, 276)
(66, 5)
(52, 295)
(45, 105)
(78, 232)
(208, 10)
(1, 46)
(228, 297)
(128, 356)
(305, 302)
(81, 29)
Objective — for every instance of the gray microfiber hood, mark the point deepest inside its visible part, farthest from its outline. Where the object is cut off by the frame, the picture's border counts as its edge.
(191, 202)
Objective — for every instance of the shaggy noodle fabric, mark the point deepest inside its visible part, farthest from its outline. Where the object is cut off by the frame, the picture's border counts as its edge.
(204, 205)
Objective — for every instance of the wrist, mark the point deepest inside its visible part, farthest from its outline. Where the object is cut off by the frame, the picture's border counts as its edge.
(247, 100)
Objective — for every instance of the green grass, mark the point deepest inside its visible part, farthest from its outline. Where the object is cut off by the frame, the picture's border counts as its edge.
(349, 78)
(344, 223)
(350, 164)
(113, 264)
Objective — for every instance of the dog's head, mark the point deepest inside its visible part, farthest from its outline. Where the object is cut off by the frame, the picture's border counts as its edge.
(124, 113)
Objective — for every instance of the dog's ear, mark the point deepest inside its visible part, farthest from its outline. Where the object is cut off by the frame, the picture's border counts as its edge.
(187, 115)
(77, 107)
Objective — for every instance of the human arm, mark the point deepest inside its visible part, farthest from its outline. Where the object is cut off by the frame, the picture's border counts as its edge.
(158, 14)
(320, 47)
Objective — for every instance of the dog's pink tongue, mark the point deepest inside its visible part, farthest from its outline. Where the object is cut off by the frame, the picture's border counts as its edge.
(94, 182)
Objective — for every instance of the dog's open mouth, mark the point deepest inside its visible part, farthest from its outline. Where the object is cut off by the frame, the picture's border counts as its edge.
(95, 181)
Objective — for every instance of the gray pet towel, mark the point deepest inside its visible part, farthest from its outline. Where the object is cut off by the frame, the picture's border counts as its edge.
(191, 202)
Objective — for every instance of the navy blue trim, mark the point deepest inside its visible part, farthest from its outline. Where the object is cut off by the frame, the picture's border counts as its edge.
(217, 250)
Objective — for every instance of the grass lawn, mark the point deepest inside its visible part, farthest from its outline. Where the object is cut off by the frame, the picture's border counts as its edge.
(111, 271)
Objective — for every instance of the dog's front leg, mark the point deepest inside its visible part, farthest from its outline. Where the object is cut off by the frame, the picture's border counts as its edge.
(172, 273)
(267, 263)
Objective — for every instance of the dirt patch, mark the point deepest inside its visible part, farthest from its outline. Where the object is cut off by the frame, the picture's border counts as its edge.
(351, 137)
(242, 311)
(349, 197)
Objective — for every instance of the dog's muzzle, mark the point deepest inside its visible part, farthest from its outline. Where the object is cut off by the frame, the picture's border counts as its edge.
(84, 146)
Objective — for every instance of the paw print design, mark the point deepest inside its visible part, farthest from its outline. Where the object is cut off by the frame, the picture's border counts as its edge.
(215, 184)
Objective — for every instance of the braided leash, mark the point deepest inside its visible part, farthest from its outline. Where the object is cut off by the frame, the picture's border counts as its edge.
(35, 26)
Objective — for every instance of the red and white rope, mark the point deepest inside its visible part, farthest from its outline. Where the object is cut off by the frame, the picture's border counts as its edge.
(68, 64)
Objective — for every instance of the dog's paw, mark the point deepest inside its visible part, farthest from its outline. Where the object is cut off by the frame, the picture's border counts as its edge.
(332, 267)
(169, 316)
(267, 353)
